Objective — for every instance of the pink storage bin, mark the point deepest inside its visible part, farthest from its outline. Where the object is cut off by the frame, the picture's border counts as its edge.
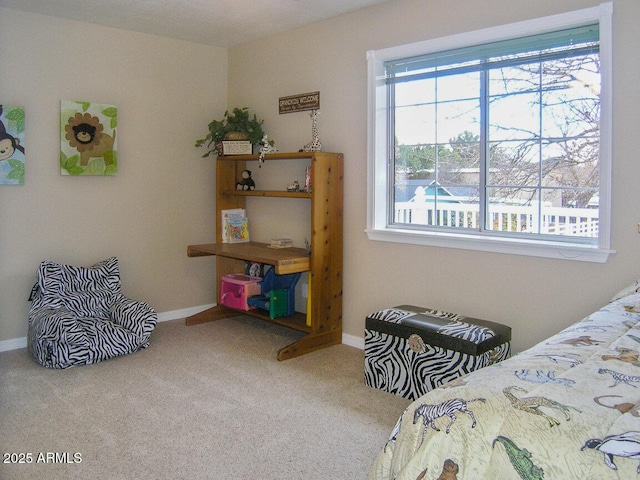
(235, 288)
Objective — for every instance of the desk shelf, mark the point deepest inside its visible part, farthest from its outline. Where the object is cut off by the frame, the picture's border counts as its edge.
(322, 324)
(267, 193)
(284, 260)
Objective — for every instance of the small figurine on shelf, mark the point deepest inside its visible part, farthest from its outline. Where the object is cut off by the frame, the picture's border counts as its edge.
(266, 146)
(247, 182)
(293, 186)
(314, 145)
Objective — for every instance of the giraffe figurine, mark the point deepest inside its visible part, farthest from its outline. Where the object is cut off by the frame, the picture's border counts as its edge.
(314, 145)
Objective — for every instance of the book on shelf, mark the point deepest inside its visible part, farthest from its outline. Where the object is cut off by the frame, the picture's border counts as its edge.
(307, 179)
(281, 243)
(235, 226)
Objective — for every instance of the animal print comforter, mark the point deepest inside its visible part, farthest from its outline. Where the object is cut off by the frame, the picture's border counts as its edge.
(568, 408)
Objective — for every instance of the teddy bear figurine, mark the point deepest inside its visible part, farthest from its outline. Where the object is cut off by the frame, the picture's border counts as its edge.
(247, 182)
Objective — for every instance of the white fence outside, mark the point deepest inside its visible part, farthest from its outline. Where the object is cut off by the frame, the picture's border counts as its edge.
(577, 222)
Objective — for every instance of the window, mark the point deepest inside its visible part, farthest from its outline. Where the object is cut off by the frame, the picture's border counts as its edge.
(495, 140)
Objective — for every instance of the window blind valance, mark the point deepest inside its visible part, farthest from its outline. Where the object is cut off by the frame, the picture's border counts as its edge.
(561, 44)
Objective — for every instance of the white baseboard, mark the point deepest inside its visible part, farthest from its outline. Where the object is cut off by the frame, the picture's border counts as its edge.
(13, 344)
(353, 341)
(16, 343)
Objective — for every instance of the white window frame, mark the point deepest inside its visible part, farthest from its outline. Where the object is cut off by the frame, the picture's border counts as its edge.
(378, 198)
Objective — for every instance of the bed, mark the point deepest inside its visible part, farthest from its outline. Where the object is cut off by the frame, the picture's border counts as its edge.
(567, 408)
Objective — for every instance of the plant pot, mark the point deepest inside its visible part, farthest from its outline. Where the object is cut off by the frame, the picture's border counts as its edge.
(235, 136)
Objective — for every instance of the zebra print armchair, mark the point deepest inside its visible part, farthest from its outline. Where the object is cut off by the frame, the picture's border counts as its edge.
(79, 316)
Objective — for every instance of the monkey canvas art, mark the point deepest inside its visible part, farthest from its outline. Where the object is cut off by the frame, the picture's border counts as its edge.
(88, 138)
(12, 153)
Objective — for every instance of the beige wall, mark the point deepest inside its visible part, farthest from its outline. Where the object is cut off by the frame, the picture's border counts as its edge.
(162, 198)
(535, 296)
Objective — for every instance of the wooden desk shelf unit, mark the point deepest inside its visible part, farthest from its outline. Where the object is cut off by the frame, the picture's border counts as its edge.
(322, 324)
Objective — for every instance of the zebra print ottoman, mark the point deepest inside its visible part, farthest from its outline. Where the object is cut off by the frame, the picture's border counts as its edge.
(410, 350)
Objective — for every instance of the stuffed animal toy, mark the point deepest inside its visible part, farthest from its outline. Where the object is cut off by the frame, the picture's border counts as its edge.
(247, 182)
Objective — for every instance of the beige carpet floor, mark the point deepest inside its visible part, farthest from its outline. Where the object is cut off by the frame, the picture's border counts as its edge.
(203, 402)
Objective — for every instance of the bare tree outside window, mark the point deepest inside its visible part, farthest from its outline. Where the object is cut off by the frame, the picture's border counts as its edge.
(513, 147)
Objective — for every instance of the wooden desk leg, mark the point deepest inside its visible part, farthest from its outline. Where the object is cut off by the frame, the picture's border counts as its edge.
(310, 343)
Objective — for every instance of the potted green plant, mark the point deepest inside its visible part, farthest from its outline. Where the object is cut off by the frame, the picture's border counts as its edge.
(235, 125)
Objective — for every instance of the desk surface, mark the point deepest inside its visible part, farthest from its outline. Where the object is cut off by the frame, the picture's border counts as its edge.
(284, 260)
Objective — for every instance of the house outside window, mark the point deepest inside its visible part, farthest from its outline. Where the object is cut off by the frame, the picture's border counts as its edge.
(496, 140)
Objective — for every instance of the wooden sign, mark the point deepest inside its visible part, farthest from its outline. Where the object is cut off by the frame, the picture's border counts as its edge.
(299, 103)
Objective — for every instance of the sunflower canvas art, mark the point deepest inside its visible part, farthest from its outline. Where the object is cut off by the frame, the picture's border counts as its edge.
(88, 138)
(11, 145)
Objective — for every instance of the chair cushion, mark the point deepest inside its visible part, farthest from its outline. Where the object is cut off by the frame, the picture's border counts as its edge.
(86, 292)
